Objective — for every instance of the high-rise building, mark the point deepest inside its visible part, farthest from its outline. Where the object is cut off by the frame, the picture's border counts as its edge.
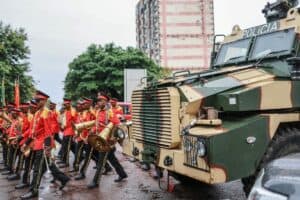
(176, 34)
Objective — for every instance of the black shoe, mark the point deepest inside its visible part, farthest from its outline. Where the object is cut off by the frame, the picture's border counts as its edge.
(53, 181)
(120, 178)
(106, 171)
(60, 162)
(4, 169)
(63, 165)
(64, 183)
(7, 173)
(92, 185)
(73, 170)
(13, 177)
(21, 186)
(79, 177)
(29, 195)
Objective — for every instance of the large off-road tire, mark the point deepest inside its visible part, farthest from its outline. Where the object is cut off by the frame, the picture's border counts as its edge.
(286, 141)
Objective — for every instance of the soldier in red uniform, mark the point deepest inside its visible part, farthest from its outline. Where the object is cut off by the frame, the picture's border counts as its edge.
(103, 117)
(69, 119)
(54, 116)
(29, 159)
(79, 136)
(41, 142)
(89, 152)
(3, 128)
(116, 109)
(14, 133)
(24, 107)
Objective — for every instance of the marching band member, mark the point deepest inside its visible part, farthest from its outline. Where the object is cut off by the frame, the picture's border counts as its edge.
(103, 117)
(41, 141)
(69, 120)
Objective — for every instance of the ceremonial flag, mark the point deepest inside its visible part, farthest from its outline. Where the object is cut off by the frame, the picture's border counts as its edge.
(3, 92)
(17, 94)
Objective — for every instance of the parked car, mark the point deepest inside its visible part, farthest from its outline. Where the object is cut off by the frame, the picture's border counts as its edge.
(279, 180)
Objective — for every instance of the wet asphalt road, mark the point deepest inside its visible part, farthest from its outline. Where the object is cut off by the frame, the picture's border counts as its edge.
(139, 186)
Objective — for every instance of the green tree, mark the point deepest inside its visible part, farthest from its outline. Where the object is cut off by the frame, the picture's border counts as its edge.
(13, 62)
(101, 68)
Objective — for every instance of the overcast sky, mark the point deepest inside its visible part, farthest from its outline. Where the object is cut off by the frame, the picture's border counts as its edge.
(59, 30)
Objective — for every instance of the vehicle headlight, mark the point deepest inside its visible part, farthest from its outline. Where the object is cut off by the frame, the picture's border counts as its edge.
(200, 146)
(188, 145)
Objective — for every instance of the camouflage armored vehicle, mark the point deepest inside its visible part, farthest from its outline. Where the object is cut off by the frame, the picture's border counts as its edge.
(228, 122)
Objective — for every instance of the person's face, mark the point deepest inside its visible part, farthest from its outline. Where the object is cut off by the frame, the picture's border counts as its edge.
(52, 107)
(32, 109)
(113, 103)
(101, 103)
(40, 103)
(14, 115)
(67, 106)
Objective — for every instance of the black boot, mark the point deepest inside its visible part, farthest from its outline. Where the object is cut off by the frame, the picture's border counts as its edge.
(120, 178)
(80, 176)
(4, 169)
(107, 170)
(53, 181)
(29, 195)
(21, 186)
(92, 185)
(7, 173)
(13, 177)
(63, 165)
(64, 183)
(73, 170)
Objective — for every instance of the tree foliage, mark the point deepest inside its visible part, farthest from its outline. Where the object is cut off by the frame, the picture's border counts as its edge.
(13, 62)
(101, 68)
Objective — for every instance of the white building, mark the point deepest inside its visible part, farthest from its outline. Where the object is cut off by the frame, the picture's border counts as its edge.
(177, 34)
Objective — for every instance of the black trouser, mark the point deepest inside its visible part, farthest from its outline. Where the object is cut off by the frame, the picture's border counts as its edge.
(4, 152)
(112, 160)
(78, 154)
(67, 145)
(20, 161)
(27, 168)
(39, 168)
(12, 154)
(57, 138)
(90, 153)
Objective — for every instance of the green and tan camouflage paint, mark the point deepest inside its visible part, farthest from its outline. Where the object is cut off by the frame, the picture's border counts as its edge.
(161, 112)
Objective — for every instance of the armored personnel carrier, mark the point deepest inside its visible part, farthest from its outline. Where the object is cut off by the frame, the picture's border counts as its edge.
(226, 123)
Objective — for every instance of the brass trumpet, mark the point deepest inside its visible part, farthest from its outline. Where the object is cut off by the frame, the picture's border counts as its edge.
(103, 142)
(78, 128)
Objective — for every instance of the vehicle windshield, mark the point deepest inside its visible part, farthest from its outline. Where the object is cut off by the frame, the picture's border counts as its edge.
(233, 52)
(272, 44)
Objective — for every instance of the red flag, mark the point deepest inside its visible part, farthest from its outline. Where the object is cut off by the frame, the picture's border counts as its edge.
(17, 94)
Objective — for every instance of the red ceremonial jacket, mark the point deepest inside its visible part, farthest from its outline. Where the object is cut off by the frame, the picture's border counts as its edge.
(103, 117)
(70, 117)
(40, 128)
(54, 115)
